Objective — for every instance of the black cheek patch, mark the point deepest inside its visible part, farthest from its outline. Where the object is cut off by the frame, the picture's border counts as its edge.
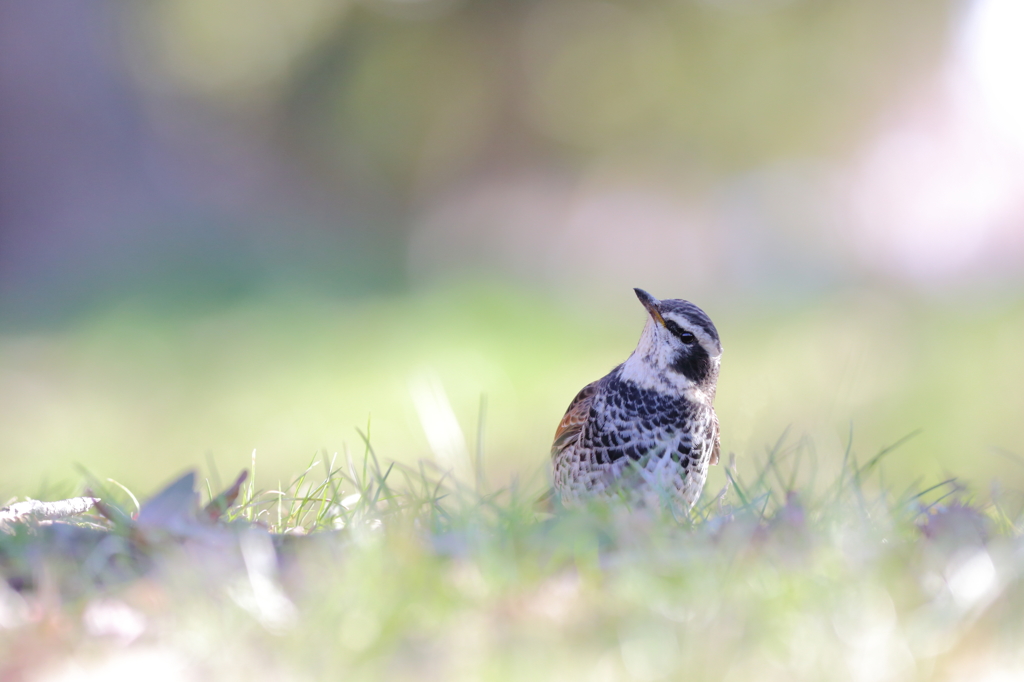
(693, 363)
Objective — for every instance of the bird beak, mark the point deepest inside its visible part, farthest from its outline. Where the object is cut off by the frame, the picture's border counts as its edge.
(651, 304)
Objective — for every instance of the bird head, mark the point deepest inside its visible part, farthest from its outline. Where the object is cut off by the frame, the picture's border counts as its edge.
(679, 349)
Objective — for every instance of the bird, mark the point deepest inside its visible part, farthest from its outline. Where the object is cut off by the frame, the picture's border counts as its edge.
(647, 431)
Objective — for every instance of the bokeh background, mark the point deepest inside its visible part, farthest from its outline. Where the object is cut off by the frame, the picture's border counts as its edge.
(238, 225)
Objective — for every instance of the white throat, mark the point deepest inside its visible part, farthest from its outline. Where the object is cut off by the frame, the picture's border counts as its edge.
(649, 366)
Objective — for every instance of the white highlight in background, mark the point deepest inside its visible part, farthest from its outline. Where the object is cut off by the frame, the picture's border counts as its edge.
(994, 53)
(444, 435)
(972, 579)
(939, 194)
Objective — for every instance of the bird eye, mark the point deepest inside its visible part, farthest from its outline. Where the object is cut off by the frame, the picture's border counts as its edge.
(684, 336)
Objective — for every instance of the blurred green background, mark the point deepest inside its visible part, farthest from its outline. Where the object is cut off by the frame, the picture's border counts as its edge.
(237, 225)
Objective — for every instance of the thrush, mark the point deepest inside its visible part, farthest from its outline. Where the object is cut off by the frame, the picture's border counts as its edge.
(648, 429)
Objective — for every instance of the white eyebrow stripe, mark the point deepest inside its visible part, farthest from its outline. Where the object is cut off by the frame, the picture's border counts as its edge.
(710, 344)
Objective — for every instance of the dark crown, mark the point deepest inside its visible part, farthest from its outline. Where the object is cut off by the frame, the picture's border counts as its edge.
(692, 313)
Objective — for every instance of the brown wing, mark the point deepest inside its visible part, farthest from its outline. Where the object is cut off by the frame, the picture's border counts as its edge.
(575, 417)
(715, 451)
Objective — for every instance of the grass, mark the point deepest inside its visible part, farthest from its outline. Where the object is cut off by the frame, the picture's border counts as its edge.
(139, 395)
(359, 569)
(822, 557)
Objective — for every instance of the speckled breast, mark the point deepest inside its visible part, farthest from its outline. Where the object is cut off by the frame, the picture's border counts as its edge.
(642, 439)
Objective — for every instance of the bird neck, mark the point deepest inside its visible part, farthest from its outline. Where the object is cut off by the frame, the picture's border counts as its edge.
(642, 371)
